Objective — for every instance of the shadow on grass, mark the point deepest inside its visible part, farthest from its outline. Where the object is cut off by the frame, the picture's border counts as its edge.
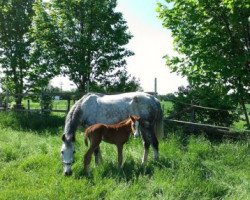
(130, 171)
(31, 122)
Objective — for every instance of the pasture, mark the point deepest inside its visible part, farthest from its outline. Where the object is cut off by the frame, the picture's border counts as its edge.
(189, 168)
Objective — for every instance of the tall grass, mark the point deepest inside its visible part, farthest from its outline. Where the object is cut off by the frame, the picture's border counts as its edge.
(30, 168)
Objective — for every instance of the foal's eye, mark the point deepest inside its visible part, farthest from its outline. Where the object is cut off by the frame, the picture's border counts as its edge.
(62, 152)
(74, 151)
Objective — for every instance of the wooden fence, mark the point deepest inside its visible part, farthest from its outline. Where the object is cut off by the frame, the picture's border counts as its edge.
(6, 100)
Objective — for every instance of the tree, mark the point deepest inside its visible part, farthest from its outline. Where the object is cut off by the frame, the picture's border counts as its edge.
(122, 83)
(85, 39)
(15, 44)
(23, 67)
(212, 38)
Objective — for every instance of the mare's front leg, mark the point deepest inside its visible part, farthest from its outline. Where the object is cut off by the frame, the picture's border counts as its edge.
(120, 156)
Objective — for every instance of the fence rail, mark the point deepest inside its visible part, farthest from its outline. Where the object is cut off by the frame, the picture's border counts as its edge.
(7, 98)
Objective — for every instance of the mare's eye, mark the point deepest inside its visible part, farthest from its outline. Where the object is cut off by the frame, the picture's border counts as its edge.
(62, 152)
(74, 151)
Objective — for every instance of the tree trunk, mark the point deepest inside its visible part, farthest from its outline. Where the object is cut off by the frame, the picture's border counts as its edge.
(245, 113)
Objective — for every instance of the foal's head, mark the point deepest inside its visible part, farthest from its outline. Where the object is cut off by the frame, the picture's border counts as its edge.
(135, 125)
(67, 153)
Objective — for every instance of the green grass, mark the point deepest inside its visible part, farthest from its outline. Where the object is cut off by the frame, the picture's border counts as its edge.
(30, 168)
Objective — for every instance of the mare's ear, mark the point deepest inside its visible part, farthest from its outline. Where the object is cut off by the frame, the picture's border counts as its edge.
(71, 138)
(64, 138)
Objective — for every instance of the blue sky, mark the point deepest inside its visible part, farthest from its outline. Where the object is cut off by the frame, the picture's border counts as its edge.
(150, 43)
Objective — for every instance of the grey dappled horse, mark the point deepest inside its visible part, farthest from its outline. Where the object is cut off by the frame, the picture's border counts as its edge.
(95, 108)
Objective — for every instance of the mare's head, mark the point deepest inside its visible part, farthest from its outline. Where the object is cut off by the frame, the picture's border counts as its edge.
(67, 153)
(135, 125)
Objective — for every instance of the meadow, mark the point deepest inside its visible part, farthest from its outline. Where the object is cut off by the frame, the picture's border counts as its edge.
(189, 167)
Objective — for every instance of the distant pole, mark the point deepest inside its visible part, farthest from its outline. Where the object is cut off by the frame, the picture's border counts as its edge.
(155, 86)
(68, 104)
(61, 84)
(87, 86)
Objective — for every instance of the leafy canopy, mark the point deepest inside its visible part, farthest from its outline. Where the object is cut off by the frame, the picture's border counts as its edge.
(212, 38)
(84, 39)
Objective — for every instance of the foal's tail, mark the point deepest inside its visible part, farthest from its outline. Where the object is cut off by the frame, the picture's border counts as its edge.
(86, 137)
(86, 140)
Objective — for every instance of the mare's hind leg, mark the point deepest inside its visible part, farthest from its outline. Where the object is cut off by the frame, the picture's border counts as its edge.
(146, 144)
(98, 155)
(149, 137)
(145, 154)
(153, 141)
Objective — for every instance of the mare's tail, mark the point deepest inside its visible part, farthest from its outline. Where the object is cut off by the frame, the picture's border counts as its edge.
(159, 129)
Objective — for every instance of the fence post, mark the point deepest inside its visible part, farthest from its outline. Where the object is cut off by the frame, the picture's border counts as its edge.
(192, 116)
(28, 105)
(68, 104)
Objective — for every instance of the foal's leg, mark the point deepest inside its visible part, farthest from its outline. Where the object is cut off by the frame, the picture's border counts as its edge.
(98, 155)
(87, 157)
(120, 156)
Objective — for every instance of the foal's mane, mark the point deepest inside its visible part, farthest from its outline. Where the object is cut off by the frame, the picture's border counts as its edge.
(120, 124)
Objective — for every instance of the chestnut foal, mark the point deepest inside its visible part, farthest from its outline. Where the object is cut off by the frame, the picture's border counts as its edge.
(117, 134)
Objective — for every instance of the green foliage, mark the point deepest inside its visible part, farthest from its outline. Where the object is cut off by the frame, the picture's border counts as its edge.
(122, 83)
(15, 44)
(212, 39)
(18, 59)
(84, 39)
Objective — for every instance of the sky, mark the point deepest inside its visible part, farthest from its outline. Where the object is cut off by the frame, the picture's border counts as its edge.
(150, 43)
